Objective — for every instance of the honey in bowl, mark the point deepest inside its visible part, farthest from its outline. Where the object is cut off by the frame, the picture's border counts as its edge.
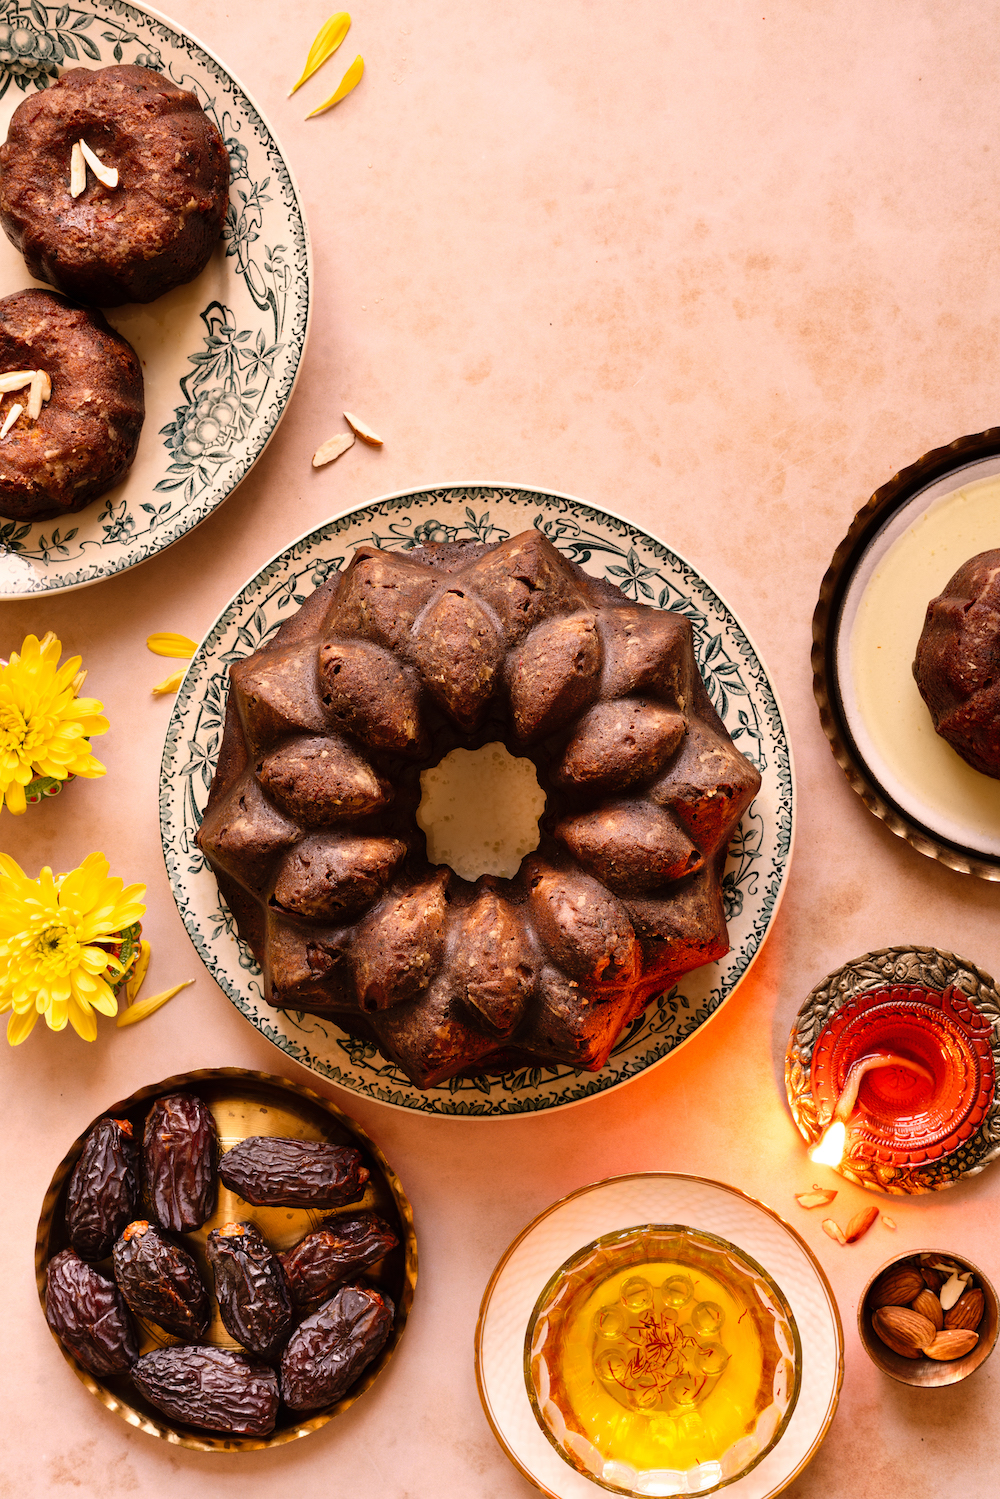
(662, 1360)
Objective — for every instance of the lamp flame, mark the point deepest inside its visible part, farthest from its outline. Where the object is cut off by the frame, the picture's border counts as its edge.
(830, 1150)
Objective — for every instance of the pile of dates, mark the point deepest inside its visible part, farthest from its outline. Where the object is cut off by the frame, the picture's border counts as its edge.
(306, 1322)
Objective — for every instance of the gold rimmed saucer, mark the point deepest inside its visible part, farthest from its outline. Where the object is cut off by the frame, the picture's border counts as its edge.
(246, 1103)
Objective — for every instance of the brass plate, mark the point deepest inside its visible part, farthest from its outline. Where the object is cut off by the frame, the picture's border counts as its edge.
(908, 492)
(244, 1103)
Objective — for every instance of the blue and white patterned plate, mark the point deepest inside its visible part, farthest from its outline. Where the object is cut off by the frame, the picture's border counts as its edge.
(220, 356)
(605, 545)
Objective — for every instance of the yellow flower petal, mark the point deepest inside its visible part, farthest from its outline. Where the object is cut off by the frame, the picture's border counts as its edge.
(328, 39)
(144, 1007)
(169, 684)
(139, 971)
(167, 644)
(83, 1021)
(350, 80)
(20, 1026)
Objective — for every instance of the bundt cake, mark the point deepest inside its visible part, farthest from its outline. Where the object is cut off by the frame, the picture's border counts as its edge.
(957, 664)
(312, 833)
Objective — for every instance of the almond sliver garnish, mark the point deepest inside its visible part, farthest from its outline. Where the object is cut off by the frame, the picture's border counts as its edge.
(832, 1227)
(15, 380)
(11, 418)
(333, 448)
(363, 430)
(35, 395)
(328, 39)
(350, 80)
(77, 171)
(817, 1198)
(107, 175)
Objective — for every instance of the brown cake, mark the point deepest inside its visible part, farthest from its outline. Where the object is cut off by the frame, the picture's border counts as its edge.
(957, 665)
(85, 436)
(311, 826)
(132, 242)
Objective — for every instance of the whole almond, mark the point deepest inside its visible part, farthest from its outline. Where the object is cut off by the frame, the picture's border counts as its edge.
(954, 1342)
(904, 1331)
(967, 1312)
(933, 1279)
(928, 1306)
(897, 1287)
(860, 1224)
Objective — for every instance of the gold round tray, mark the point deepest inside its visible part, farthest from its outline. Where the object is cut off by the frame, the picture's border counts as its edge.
(889, 513)
(245, 1103)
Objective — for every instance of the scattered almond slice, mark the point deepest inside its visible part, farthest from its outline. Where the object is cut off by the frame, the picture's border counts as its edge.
(363, 430)
(11, 418)
(951, 1291)
(144, 1007)
(15, 380)
(328, 39)
(77, 171)
(888, 1222)
(333, 448)
(818, 1197)
(169, 684)
(103, 173)
(350, 81)
(35, 396)
(860, 1224)
(165, 643)
(834, 1229)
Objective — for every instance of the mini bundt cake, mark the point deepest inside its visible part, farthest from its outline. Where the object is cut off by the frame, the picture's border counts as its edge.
(153, 224)
(312, 833)
(957, 664)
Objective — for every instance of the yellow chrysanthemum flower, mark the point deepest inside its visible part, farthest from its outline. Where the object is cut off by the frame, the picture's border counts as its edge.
(50, 963)
(44, 726)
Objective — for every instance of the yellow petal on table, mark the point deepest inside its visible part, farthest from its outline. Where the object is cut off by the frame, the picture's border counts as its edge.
(328, 39)
(144, 1007)
(141, 963)
(169, 684)
(167, 644)
(350, 80)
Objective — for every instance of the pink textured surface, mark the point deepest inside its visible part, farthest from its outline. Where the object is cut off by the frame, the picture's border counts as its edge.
(724, 269)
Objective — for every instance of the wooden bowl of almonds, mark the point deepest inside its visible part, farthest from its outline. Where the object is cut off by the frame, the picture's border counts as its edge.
(928, 1318)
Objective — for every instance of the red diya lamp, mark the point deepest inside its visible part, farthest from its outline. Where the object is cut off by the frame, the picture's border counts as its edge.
(901, 1075)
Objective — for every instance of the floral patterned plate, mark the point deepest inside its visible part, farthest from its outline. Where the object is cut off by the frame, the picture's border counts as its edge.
(220, 356)
(605, 545)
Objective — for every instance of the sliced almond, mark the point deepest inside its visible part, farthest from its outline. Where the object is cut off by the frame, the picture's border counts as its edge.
(951, 1291)
(46, 386)
(367, 435)
(77, 171)
(954, 1342)
(107, 175)
(15, 380)
(11, 418)
(35, 395)
(928, 1306)
(888, 1222)
(332, 449)
(831, 1227)
(860, 1224)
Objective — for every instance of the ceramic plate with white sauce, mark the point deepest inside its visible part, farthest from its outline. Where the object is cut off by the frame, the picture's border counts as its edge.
(219, 356)
(604, 544)
(625, 1202)
(911, 537)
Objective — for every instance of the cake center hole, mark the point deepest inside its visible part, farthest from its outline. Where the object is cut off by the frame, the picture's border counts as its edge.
(480, 811)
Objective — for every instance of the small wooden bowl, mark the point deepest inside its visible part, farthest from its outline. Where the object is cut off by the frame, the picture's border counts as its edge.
(930, 1373)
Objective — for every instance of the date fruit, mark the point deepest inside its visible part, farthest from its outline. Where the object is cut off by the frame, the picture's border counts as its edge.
(159, 1280)
(180, 1149)
(104, 1189)
(213, 1388)
(273, 1172)
(251, 1289)
(328, 1352)
(341, 1248)
(87, 1313)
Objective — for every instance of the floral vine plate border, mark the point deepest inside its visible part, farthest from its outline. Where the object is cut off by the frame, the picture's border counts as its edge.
(220, 356)
(606, 545)
(925, 967)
